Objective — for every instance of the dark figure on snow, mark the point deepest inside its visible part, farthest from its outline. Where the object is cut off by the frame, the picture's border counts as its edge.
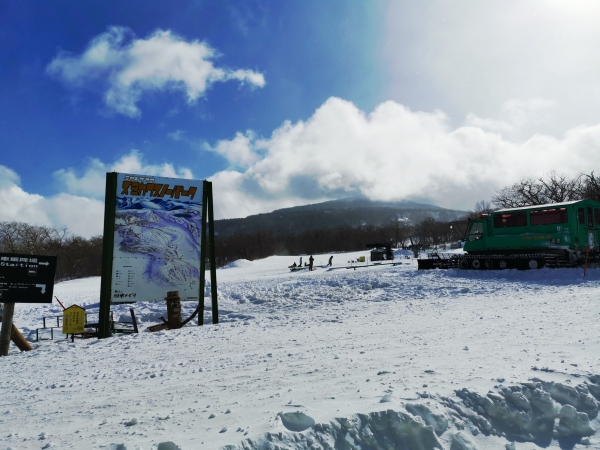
(294, 265)
(330, 260)
(310, 262)
(300, 262)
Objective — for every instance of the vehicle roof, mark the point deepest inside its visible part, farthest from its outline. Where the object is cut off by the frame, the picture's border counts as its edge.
(547, 205)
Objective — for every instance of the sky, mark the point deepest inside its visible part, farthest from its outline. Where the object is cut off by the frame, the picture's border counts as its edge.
(289, 103)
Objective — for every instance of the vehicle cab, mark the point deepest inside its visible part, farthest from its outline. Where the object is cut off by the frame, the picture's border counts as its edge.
(475, 239)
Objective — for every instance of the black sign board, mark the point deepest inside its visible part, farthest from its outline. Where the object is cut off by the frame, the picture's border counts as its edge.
(26, 278)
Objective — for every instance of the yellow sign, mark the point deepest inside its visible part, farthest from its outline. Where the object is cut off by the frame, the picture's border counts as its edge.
(73, 320)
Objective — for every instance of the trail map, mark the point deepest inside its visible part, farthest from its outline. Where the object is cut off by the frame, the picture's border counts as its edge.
(157, 238)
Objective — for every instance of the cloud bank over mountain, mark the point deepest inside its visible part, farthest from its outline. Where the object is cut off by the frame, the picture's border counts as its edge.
(391, 153)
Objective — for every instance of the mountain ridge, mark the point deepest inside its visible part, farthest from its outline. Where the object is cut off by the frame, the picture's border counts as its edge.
(351, 212)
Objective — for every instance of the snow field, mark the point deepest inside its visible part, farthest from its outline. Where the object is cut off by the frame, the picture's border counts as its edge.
(378, 357)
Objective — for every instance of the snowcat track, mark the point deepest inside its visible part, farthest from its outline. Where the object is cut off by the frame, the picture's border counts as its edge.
(524, 261)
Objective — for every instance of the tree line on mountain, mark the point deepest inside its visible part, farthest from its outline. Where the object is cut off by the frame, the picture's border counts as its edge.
(260, 244)
(80, 257)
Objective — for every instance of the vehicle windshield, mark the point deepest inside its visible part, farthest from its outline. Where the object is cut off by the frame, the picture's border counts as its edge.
(476, 231)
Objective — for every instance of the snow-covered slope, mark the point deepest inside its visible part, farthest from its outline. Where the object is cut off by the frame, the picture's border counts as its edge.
(374, 357)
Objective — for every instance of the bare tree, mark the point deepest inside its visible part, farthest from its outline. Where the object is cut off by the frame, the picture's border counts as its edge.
(590, 187)
(481, 207)
(400, 231)
(76, 256)
(484, 207)
(9, 237)
(550, 188)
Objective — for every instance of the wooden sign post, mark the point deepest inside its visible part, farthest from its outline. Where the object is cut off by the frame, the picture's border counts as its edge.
(7, 319)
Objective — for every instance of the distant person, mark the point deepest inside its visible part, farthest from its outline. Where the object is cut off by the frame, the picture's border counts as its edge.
(294, 265)
(330, 260)
(310, 263)
(300, 262)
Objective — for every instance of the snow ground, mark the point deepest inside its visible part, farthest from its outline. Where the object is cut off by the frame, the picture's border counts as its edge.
(378, 357)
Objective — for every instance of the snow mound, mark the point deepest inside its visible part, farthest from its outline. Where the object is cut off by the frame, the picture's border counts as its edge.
(239, 263)
(573, 423)
(296, 421)
(432, 415)
(168, 445)
(525, 412)
(460, 441)
(385, 429)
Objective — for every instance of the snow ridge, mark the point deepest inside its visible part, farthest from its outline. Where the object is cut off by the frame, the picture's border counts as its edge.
(527, 412)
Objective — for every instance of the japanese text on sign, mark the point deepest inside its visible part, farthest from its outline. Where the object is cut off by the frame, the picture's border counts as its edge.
(136, 188)
(73, 320)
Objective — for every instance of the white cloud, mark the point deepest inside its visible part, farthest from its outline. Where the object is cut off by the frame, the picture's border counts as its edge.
(392, 153)
(472, 56)
(16, 204)
(80, 207)
(83, 216)
(91, 183)
(516, 118)
(93, 180)
(493, 125)
(237, 151)
(522, 113)
(177, 135)
(132, 66)
(134, 163)
(8, 177)
(233, 199)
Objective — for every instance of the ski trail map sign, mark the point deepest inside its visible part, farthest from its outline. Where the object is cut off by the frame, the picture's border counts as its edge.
(158, 226)
(154, 238)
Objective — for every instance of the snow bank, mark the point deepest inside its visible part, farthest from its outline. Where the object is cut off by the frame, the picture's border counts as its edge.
(240, 263)
(529, 412)
(401, 253)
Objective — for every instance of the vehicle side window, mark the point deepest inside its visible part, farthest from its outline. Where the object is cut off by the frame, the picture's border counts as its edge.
(597, 216)
(510, 220)
(549, 216)
(581, 216)
(590, 218)
(476, 231)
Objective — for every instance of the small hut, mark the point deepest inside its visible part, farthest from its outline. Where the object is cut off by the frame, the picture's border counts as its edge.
(381, 252)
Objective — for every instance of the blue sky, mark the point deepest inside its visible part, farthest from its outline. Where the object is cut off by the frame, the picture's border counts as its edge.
(282, 103)
(58, 126)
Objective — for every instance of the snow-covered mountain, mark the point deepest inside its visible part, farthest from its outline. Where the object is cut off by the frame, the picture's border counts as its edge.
(352, 212)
